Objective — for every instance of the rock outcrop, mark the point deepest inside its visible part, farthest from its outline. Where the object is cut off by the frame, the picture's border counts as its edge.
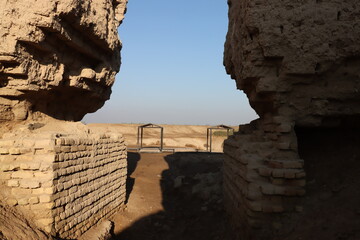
(57, 58)
(298, 63)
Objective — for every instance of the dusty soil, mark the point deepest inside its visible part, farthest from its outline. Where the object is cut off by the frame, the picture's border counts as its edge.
(16, 226)
(165, 202)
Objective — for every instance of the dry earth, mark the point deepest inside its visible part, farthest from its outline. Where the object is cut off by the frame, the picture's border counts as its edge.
(173, 196)
(191, 137)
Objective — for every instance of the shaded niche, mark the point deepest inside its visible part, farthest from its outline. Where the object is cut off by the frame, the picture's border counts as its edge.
(332, 165)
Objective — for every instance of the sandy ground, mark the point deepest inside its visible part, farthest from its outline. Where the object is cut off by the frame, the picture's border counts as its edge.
(192, 137)
(159, 208)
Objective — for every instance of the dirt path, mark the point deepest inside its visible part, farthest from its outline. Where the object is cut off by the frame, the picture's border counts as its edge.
(163, 208)
(145, 197)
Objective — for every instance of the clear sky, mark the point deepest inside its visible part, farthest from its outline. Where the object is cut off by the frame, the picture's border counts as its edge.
(172, 70)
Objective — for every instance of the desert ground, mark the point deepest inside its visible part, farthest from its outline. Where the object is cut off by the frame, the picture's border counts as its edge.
(172, 197)
(178, 195)
(179, 137)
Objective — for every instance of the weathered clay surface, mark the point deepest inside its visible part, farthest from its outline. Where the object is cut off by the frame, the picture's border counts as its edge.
(63, 176)
(15, 226)
(57, 58)
(298, 63)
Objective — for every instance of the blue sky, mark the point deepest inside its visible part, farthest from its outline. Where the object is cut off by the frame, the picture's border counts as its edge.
(172, 71)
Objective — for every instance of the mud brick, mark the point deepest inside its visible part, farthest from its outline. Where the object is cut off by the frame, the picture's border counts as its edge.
(45, 221)
(12, 202)
(283, 145)
(268, 189)
(44, 143)
(6, 143)
(45, 157)
(4, 151)
(25, 183)
(301, 174)
(22, 174)
(293, 163)
(24, 158)
(264, 171)
(13, 183)
(8, 158)
(23, 201)
(278, 173)
(14, 151)
(284, 128)
(30, 166)
(21, 192)
(33, 200)
(45, 198)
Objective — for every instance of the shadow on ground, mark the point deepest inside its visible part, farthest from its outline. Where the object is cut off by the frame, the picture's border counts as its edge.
(132, 161)
(192, 201)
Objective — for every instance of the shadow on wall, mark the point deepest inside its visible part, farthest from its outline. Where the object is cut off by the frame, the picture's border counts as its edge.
(187, 214)
(332, 165)
(132, 162)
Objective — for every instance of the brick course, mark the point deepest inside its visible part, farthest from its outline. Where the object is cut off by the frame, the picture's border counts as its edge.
(67, 183)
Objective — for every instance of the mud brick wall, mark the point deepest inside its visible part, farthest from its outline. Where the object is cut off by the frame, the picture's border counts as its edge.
(262, 181)
(297, 62)
(65, 183)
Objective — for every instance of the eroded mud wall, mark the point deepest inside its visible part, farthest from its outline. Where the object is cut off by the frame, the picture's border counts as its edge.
(298, 64)
(57, 58)
(58, 61)
(65, 183)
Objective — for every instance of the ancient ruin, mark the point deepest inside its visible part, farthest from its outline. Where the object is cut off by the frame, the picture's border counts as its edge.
(57, 58)
(298, 63)
(58, 61)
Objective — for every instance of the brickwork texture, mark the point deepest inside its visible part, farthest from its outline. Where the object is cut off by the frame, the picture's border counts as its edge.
(66, 183)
